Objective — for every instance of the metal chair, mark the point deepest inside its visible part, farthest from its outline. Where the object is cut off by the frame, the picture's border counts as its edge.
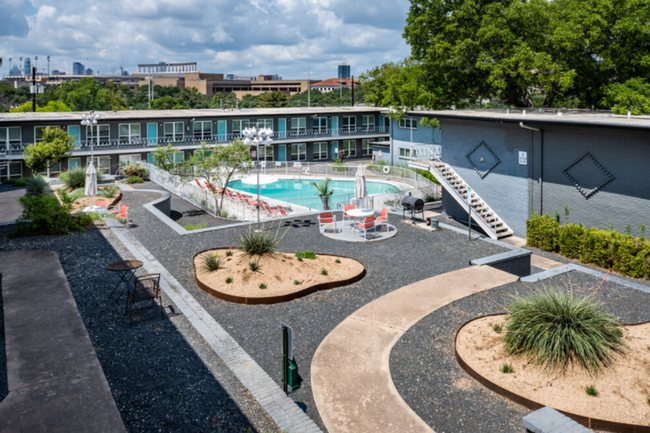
(145, 288)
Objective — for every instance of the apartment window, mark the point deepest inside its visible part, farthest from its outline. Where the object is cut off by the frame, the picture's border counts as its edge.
(10, 138)
(299, 152)
(349, 123)
(320, 124)
(239, 125)
(173, 131)
(320, 150)
(265, 123)
(202, 129)
(366, 148)
(38, 132)
(350, 148)
(99, 133)
(298, 125)
(404, 153)
(102, 164)
(130, 159)
(74, 163)
(129, 132)
(408, 123)
(368, 122)
(266, 153)
(15, 170)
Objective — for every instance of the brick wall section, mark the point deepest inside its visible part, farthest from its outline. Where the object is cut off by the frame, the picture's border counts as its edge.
(512, 190)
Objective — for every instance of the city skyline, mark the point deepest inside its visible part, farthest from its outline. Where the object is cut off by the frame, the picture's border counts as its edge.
(284, 37)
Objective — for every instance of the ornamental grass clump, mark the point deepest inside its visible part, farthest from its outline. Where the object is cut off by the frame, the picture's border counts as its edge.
(556, 329)
(260, 242)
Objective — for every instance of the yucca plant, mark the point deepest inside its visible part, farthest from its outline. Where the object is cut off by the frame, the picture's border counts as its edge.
(324, 192)
(557, 329)
(210, 262)
(109, 191)
(592, 391)
(254, 265)
(258, 243)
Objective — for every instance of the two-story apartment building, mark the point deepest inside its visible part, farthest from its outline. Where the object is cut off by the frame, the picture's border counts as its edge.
(300, 134)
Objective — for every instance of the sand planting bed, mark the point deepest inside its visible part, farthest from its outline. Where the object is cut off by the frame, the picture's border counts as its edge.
(623, 389)
(278, 272)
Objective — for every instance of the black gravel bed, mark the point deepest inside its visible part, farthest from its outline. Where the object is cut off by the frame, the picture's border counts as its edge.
(412, 255)
(184, 213)
(3, 353)
(4, 187)
(161, 380)
(427, 376)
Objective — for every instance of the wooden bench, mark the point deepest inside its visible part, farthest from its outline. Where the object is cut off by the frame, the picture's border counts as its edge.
(548, 420)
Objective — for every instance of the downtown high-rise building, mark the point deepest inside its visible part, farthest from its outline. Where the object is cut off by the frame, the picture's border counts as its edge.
(344, 71)
(27, 66)
(78, 69)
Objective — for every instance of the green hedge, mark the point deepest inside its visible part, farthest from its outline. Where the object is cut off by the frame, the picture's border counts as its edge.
(607, 249)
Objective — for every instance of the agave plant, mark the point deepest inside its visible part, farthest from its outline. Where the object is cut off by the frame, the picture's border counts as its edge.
(324, 192)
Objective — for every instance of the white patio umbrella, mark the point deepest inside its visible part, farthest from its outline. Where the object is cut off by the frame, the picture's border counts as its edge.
(360, 191)
(91, 183)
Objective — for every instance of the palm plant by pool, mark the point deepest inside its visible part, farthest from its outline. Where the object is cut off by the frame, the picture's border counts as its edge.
(324, 192)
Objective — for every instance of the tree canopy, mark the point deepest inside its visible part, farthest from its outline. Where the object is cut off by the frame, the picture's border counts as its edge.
(524, 53)
(55, 147)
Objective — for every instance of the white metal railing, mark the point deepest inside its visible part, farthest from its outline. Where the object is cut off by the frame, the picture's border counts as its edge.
(409, 181)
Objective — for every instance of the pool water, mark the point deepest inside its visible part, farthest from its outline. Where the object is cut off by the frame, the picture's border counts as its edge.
(303, 193)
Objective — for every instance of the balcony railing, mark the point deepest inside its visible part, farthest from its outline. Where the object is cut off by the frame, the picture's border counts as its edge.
(129, 143)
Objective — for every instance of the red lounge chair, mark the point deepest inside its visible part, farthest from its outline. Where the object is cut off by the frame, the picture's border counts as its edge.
(115, 209)
(367, 224)
(382, 220)
(123, 212)
(101, 203)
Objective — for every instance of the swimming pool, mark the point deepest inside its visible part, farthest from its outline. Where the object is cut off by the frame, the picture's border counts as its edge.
(303, 193)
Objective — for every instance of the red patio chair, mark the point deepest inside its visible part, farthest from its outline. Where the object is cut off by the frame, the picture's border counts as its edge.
(123, 212)
(346, 208)
(326, 218)
(382, 220)
(367, 224)
(101, 203)
(115, 209)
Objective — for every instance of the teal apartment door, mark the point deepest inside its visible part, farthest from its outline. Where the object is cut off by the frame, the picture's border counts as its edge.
(73, 131)
(335, 150)
(222, 130)
(282, 128)
(381, 123)
(152, 133)
(335, 125)
(282, 152)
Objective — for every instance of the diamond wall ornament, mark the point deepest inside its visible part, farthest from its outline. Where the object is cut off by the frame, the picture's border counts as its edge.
(483, 159)
(588, 175)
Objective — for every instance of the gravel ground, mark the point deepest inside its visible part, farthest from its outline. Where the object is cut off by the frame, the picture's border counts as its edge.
(410, 256)
(183, 212)
(3, 353)
(162, 380)
(429, 379)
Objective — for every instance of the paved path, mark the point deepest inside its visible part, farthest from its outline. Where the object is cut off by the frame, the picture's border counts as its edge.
(10, 209)
(56, 383)
(350, 372)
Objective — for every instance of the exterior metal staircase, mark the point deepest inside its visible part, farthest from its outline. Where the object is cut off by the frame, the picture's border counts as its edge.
(424, 158)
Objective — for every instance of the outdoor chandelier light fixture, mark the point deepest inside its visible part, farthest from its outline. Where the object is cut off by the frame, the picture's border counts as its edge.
(91, 120)
(258, 137)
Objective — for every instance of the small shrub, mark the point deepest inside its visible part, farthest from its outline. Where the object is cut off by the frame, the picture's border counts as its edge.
(338, 260)
(258, 243)
(228, 280)
(190, 227)
(36, 186)
(134, 179)
(76, 178)
(136, 169)
(543, 232)
(300, 259)
(558, 329)
(254, 265)
(262, 286)
(229, 253)
(507, 369)
(224, 214)
(497, 328)
(306, 255)
(210, 262)
(109, 191)
(427, 174)
(9, 181)
(592, 391)
(296, 282)
(44, 215)
(21, 181)
(323, 271)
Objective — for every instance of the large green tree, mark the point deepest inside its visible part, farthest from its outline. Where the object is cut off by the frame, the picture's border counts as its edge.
(55, 147)
(522, 52)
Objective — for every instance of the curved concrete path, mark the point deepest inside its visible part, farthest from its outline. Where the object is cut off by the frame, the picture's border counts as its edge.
(350, 373)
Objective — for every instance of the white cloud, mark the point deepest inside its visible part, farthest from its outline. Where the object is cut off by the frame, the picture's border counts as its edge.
(248, 37)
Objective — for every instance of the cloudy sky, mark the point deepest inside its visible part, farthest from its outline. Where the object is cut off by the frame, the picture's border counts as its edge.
(245, 37)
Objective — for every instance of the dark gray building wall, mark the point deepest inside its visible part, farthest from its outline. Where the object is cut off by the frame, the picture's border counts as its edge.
(513, 190)
(505, 188)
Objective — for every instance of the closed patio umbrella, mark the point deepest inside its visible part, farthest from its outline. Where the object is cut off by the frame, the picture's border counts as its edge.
(91, 183)
(360, 191)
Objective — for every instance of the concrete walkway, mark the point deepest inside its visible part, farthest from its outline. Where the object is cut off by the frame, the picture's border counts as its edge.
(56, 383)
(10, 209)
(350, 372)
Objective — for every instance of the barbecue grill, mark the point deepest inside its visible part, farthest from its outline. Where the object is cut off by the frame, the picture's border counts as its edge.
(413, 204)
